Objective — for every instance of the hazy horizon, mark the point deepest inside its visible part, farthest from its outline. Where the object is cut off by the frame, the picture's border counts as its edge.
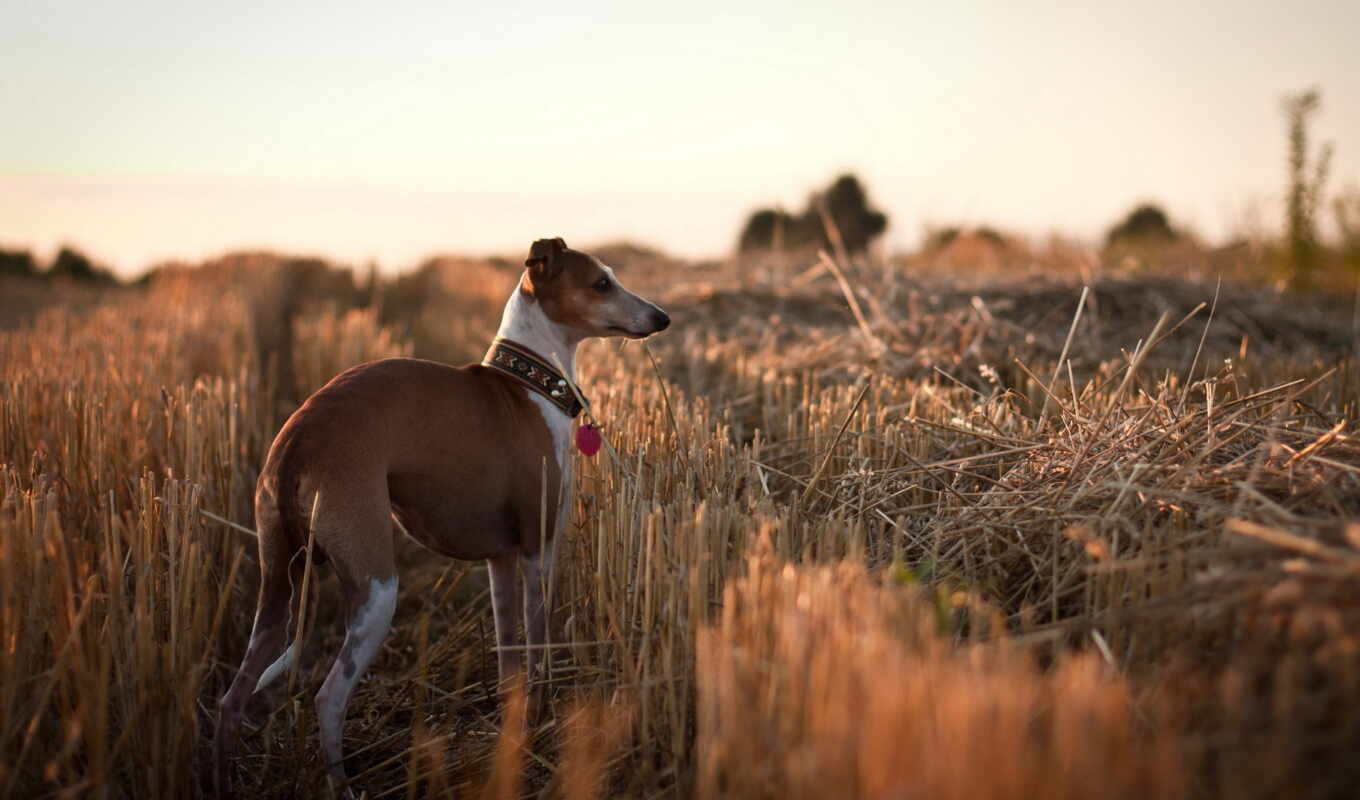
(164, 132)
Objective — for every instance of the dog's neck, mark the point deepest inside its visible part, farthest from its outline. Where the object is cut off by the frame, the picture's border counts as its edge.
(524, 323)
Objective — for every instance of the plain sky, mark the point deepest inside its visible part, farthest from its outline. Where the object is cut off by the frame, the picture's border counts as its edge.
(141, 131)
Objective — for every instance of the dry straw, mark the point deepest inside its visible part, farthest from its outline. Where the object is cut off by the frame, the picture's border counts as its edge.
(1124, 580)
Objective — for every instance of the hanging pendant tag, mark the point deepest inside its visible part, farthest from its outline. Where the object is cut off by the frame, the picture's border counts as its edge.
(588, 439)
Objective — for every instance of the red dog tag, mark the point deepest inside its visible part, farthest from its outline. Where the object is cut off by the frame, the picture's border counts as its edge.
(588, 439)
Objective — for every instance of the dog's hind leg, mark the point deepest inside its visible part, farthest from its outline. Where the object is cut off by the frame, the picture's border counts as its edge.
(367, 571)
(280, 591)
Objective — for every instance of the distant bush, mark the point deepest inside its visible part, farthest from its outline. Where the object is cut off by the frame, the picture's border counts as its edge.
(940, 238)
(17, 264)
(768, 229)
(980, 248)
(74, 265)
(845, 202)
(991, 235)
(1146, 224)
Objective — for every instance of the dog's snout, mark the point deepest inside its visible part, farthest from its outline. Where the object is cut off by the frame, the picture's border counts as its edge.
(660, 320)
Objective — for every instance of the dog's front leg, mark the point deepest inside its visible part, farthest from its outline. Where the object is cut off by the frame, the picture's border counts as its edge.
(538, 579)
(504, 600)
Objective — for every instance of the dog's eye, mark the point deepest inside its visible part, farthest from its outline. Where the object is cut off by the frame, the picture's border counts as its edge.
(602, 285)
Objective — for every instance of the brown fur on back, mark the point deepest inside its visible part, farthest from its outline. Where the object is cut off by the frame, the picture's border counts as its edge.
(459, 453)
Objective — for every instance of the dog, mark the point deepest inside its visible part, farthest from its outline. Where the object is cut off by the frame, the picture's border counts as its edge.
(473, 462)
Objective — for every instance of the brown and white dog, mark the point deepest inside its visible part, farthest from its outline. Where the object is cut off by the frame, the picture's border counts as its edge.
(462, 457)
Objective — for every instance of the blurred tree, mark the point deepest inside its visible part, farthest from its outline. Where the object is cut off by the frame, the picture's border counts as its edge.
(1305, 187)
(74, 265)
(17, 263)
(845, 203)
(1145, 224)
(762, 231)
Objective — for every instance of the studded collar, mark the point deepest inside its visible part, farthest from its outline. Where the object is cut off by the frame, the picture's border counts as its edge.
(529, 368)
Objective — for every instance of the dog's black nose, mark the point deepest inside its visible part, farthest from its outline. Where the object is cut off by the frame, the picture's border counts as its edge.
(660, 320)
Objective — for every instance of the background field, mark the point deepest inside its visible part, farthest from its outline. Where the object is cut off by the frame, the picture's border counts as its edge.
(947, 525)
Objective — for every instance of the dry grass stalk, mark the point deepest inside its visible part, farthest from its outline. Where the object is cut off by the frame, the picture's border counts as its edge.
(1062, 356)
(593, 734)
(820, 677)
(507, 764)
(122, 424)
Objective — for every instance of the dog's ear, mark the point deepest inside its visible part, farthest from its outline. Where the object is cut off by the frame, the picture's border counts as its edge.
(544, 261)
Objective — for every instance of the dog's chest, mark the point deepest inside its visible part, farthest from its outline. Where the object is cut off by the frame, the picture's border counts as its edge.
(559, 426)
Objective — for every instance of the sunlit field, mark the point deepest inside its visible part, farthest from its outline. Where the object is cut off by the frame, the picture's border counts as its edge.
(988, 521)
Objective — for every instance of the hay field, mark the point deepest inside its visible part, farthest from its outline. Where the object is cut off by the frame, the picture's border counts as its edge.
(870, 529)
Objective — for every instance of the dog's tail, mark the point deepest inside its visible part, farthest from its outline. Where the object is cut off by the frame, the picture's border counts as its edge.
(287, 507)
(283, 471)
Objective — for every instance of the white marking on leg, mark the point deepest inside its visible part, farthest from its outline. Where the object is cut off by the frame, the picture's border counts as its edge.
(273, 671)
(366, 631)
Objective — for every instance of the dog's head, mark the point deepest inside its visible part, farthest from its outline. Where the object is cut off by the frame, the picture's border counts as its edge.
(577, 291)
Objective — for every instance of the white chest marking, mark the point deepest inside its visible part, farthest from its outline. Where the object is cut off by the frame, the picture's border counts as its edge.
(525, 324)
(559, 425)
